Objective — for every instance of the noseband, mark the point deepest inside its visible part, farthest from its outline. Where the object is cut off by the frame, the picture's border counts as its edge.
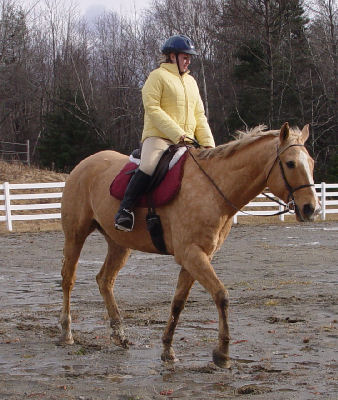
(291, 199)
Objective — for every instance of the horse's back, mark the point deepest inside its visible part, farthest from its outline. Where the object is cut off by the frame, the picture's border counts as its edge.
(94, 165)
(88, 177)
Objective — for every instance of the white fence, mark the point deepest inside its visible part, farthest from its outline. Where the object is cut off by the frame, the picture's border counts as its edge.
(12, 204)
(16, 198)
(325, 191)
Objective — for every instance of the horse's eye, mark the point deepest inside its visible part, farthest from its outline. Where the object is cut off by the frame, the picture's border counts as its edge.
(291, 164)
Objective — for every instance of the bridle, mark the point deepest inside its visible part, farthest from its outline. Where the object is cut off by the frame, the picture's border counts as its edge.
(289, 206)
(291, 203)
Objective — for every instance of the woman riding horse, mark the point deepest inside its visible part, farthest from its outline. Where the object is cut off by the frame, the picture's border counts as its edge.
(174, 112)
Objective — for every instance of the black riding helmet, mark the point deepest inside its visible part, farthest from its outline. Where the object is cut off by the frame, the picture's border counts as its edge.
(178, 44)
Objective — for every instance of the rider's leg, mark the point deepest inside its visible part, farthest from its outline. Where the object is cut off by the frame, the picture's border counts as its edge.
(152, 150)
(124, 219)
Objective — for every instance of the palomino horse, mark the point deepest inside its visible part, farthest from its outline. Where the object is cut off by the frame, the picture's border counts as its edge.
(195, 222)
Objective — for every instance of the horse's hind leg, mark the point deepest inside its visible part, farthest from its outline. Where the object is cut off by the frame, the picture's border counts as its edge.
(184, 284)
(116, 258)
(71, 252)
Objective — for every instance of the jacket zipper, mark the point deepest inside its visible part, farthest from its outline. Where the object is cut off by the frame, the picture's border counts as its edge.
(186, 104)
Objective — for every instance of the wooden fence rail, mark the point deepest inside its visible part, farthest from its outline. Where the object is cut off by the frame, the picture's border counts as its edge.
(27, 202)
(16, 198)
(325, 191)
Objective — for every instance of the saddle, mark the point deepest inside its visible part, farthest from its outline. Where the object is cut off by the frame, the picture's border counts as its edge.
(164, 185)
(165, 181)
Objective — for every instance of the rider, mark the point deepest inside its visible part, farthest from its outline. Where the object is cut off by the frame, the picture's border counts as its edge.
(173, 112)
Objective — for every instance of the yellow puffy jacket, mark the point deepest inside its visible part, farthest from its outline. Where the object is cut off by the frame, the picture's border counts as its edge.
(173, 107)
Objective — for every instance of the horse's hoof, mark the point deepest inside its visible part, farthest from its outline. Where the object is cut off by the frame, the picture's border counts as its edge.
(125, 343)
(66, 339)
(169, 355)
(120, 342)
(220, 359)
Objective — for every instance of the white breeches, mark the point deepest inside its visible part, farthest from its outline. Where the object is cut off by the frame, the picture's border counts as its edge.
(152, 150)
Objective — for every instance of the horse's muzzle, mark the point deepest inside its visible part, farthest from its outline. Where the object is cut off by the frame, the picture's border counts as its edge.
(308, 212)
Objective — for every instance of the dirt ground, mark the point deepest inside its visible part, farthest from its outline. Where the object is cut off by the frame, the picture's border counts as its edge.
(282, 281)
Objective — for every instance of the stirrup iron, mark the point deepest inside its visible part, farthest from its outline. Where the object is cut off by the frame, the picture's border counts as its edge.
(125, 220)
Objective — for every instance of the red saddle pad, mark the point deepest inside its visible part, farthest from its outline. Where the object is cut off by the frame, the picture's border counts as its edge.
(161, 195)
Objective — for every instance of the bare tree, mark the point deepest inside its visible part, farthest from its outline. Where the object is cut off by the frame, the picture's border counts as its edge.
(322, 44)
(13, 58)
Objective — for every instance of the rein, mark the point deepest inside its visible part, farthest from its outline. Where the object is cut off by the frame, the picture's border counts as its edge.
(212, 181)
(291, 191)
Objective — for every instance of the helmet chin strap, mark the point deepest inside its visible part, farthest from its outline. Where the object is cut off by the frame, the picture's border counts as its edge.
(178, 65)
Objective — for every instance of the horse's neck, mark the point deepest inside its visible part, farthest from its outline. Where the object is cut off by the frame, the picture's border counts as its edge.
(242, 176)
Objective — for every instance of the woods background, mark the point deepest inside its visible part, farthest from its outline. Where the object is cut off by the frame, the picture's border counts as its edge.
(73, 86)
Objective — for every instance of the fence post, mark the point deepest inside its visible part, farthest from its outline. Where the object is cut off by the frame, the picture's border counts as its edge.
(281, 217)
(28, 153)
(8, 207)
(235, 219)
(323, 201)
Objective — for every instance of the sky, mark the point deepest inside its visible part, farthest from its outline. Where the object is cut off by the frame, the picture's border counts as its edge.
(92, 8)
(120, 6)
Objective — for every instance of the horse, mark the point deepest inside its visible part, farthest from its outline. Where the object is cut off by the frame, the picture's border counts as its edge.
(216, 183)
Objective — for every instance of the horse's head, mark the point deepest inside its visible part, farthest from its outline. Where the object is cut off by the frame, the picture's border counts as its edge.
(291, 175)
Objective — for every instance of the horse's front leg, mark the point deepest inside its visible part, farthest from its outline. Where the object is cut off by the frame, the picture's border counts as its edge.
(184, 284)
(197, 263)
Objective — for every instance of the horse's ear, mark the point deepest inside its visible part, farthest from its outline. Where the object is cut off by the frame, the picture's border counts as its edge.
(305, 133)
(284, 132)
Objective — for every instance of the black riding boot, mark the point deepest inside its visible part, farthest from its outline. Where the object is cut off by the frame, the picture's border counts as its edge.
(124, 218)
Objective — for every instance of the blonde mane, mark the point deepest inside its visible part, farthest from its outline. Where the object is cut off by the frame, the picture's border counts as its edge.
(242, 140)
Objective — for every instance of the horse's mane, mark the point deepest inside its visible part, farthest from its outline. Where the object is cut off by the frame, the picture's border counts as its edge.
(242, 140)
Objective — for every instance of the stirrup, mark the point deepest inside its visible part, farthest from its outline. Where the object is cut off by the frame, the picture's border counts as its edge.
(124, 221)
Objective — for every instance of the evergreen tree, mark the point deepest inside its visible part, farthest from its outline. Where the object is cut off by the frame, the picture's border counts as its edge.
(253, 87)
(68, 137)
(332, 173)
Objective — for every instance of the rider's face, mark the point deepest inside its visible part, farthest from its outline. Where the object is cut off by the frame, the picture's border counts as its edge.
(183, 61)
